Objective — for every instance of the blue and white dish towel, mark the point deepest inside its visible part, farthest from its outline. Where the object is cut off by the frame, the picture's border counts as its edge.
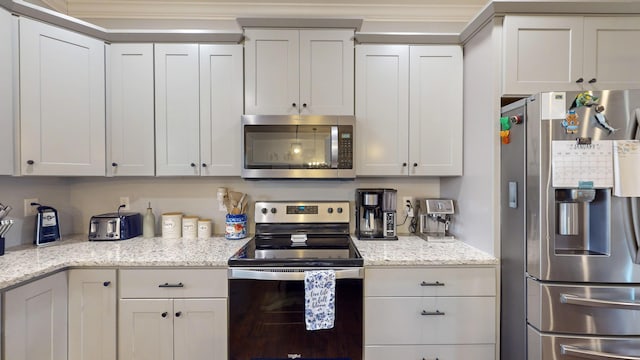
(319, 299)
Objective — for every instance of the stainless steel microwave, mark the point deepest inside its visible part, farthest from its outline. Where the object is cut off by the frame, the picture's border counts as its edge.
(298, 146)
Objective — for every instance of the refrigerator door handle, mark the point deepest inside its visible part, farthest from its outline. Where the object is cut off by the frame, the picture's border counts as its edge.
(592, 354)
(614, 304)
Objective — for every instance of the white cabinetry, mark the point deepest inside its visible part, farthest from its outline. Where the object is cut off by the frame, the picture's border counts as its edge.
(553, 53)
(92, 314)
(292, 71)
(173, 314)
(35, 320)
(62, 101)
(198, 108)
(409, 110)
(130, 117)
(430, 313)
(8, 56)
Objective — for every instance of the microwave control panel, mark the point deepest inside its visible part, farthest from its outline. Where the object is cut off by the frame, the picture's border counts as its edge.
(345, 147)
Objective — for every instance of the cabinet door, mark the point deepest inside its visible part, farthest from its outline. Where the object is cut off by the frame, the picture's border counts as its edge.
(62, 101)
(430, 352)
(200, 329)
(326, 72)
(435, 110)
(542, 53)
(177, 109)
(220, 109)
(92, 314)
(272, 72)
(382, 109)
(145, 329)
(35, 320)
(8, 56)
(130, 121)
(610, 61)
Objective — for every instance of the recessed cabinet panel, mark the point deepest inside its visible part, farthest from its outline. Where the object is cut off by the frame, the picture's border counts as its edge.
(429, 352)
(130, 120)
(62, 101)
(145, 329)
(177, 109)
(8, 55)
(200, 329)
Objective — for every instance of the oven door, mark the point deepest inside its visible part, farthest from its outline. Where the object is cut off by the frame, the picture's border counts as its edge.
(267, 316)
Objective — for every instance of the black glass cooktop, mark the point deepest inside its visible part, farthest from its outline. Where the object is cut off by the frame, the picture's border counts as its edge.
(281, 250)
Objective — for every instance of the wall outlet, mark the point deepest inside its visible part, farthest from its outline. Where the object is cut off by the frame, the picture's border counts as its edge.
(408, 205)
(28, 209)
(124, 200)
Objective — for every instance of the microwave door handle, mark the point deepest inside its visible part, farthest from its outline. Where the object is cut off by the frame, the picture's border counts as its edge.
(593, 354)
(334, 147)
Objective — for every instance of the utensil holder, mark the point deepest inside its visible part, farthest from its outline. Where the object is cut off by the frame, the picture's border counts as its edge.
(235, 226)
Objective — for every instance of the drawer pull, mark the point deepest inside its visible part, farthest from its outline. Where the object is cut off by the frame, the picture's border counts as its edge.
(428, 313)
(428, 359)
(437, 283)
(592, 354)
(612, 304)
(164, 314)
(167, 285)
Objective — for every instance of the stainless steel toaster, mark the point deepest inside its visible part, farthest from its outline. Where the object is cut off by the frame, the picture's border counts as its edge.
(115, 226)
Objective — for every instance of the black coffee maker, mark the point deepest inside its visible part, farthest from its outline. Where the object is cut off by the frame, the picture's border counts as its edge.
(376, 214)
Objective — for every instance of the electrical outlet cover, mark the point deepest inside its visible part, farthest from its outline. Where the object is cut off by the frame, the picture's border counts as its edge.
(30, 210)
(124, 200)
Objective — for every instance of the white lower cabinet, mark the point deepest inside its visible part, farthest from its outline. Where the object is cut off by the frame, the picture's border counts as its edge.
(168, 314)
(430, 313)
(92, 314)
(35, 320)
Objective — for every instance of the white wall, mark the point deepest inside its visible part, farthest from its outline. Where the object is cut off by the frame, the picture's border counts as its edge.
(197, 195)
(50, 191)
(477, 190)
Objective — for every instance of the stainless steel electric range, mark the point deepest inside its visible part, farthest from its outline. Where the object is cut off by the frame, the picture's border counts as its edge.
(266, 284)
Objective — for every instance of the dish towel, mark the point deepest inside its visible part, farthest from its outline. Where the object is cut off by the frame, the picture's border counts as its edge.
(319, 299)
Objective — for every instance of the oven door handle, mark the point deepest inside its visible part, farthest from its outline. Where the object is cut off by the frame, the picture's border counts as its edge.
(290, 274)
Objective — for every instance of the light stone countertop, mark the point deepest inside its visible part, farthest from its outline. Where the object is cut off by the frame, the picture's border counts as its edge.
(28, 262)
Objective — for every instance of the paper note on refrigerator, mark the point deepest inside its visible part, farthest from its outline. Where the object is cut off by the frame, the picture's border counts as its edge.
(582, 165)
(626, 168)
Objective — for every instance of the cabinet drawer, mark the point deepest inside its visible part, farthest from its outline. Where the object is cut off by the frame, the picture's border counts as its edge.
(429, 320)
(440, 352)
(170, 283)
(430, 282)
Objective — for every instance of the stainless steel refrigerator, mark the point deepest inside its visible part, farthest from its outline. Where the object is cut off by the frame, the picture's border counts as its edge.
(570, 226)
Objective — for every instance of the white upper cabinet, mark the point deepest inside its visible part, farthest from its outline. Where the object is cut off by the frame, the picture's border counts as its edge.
(8, 56)
(554, 53)
(130, 116)
(177, 92)
(409, 110)
(299, 72)
(221, 82)
(62, 101)
(198, 108)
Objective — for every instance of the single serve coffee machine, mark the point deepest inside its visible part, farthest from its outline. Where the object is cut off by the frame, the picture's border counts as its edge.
(435, 219)
(376, 214)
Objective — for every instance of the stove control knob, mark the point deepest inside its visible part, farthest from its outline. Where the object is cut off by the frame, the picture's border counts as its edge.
(264, 211)
(330, 210)
(339, 210)
(273, 210)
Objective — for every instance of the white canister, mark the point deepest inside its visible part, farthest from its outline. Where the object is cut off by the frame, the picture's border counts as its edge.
(204, 228)
(172, 225)
(190, 227)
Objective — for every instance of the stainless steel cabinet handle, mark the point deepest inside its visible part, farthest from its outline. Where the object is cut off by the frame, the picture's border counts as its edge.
(428, 313)
(437, 283)
(592, 354)
(576, 300)
(167, 285)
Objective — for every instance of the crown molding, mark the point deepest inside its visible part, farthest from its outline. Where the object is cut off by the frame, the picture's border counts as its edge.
(136, 9)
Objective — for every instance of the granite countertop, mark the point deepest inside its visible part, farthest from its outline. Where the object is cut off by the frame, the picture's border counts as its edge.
(28, 262)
